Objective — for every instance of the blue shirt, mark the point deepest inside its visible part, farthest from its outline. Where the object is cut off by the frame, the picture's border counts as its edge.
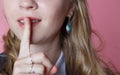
(60, 64)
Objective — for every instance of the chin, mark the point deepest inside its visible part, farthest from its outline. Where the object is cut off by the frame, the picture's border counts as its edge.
(34, 41)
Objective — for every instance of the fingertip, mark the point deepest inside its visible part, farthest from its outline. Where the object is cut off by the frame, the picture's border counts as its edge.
(53, 70)
(27, 21)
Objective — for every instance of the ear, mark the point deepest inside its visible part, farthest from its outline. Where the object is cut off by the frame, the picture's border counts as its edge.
(71, 10)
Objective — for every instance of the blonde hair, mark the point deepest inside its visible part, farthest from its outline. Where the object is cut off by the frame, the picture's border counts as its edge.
(79, 54)
(80, 57)
(12, 44)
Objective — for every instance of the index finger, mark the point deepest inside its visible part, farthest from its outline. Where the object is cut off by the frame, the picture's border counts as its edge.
(25, 41)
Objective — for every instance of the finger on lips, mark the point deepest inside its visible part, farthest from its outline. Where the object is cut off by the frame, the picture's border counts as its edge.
(40, 62)
(25, 41)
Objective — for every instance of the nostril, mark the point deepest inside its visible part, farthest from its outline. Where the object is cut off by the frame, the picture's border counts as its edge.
(27, 7)
(30, 7)
(28, 4)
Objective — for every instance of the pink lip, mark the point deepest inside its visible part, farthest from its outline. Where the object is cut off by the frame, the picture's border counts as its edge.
(31, 18)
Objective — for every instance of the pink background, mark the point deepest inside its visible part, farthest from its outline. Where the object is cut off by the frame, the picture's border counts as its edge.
(105, 18)
(3, 27)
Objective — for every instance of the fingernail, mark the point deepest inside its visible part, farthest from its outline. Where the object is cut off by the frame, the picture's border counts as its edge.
(53, 70)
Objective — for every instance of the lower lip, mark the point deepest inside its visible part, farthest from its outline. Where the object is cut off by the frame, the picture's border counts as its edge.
(32, 25)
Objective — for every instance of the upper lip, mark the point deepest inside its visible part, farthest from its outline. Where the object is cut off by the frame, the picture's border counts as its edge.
(31, 18)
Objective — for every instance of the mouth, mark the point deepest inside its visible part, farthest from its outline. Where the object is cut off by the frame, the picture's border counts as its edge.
(34, 21)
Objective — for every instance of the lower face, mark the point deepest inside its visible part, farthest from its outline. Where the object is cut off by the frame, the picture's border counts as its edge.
(51, 13)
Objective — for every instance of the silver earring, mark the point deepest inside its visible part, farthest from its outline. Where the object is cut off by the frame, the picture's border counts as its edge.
(69, 26)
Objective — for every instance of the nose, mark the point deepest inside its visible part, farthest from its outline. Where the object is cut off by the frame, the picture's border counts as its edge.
(28, 4)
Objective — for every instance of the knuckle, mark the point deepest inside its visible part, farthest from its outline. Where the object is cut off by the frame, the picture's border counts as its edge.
(41, 68)
(16, 63)
(16, 70)
(42, 55)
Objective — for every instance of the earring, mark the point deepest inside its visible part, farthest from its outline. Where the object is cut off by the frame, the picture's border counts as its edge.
(68, 26)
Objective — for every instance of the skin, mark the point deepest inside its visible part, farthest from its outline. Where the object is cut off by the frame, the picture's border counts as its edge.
(43, 47)
(38, 60)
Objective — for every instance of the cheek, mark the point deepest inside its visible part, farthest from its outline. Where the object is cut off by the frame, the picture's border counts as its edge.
(15, 28)
(54, 8)
(8, 6)
(55, 13)
(13, 25)
(9, 11)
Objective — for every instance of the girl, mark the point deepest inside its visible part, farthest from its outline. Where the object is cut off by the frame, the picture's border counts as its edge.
(49, 37)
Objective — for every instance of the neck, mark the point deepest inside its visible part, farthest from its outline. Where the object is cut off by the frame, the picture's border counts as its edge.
(51, 49)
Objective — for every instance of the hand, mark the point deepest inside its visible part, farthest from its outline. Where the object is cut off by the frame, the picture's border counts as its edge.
(31, 64)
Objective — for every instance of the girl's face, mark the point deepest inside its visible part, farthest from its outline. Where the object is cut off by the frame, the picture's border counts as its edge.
(47, 16)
